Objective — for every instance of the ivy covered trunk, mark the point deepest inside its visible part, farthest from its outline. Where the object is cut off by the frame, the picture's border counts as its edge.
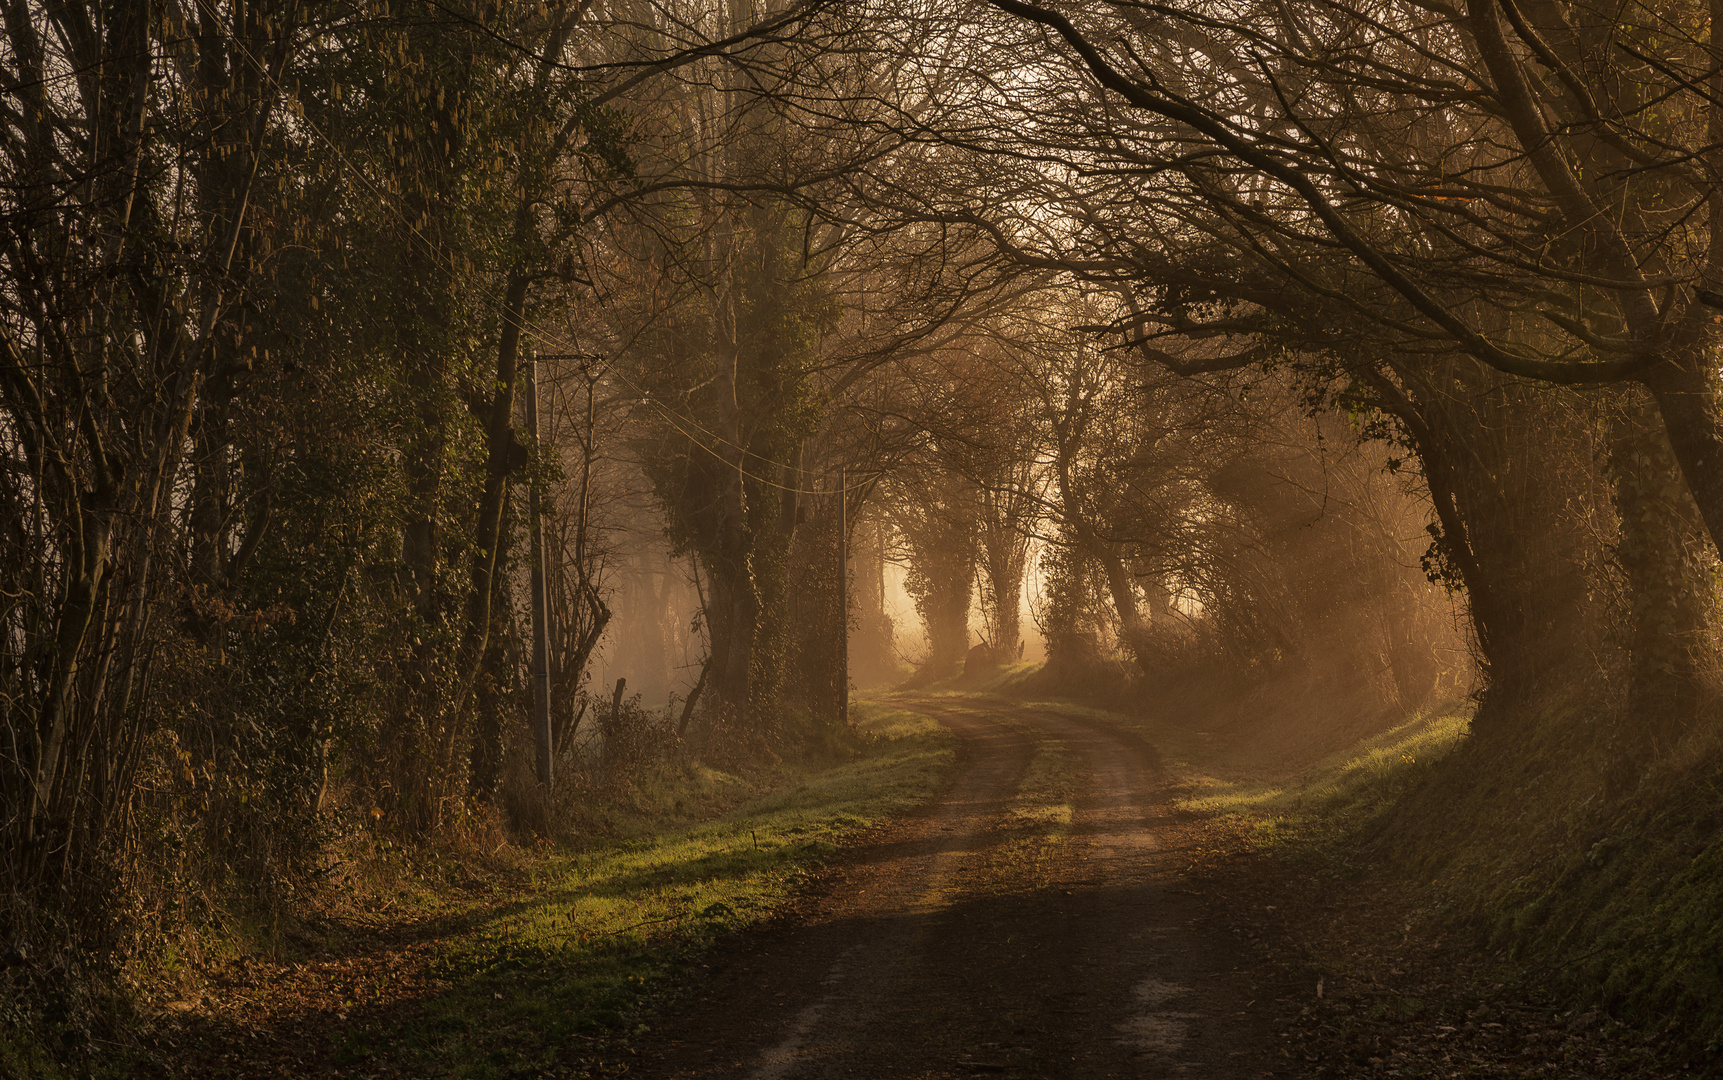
(1669, 567)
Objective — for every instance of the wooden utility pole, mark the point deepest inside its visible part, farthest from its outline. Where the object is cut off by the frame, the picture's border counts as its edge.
(540, 595)
(843, 600)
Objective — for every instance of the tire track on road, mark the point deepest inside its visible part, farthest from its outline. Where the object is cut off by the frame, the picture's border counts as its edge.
(949, 954)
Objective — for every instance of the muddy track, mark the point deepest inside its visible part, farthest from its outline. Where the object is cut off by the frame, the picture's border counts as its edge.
(959, 942)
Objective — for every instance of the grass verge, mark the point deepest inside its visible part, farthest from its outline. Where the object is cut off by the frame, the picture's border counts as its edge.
(556, 976)
(607, 927)
(1611, 892)
(1042, 803)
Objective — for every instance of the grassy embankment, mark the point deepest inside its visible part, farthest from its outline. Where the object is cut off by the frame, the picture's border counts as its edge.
(1612, 890)
(560, 969)
(605, 928)
(1610, 895)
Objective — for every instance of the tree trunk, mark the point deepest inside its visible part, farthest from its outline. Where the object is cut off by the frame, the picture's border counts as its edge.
(1003, 557)
(1660, 552)
(1132, 630)
(1687, 401)
(1512, 479)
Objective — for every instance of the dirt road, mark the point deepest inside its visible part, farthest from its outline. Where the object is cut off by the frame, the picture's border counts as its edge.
(996, 932)
(1050, 914)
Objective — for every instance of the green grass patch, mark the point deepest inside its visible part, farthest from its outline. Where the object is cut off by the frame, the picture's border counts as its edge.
(1042, 803)
(607, 927)
(22, 1058)
(1365, 778)
(879, 720)
(549, 976)
(1003, 679)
